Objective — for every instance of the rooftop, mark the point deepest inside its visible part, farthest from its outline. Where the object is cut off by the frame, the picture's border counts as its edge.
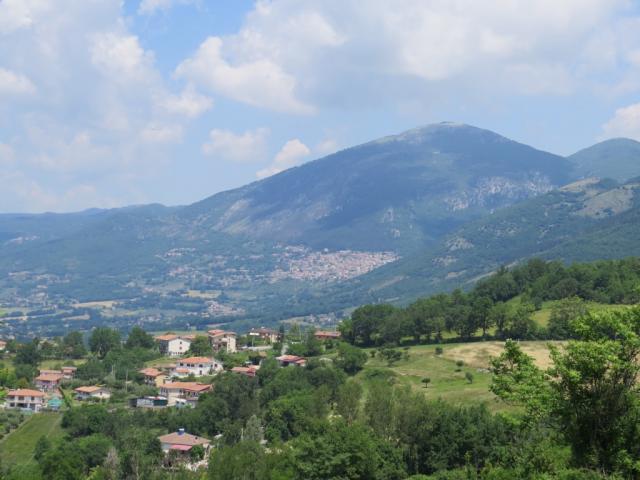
(89, 389)
(196, 360)
(177, 438)
(25, 392)
(190, 386)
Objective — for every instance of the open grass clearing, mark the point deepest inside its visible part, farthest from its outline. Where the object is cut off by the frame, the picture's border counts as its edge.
(448, 380)
(18, 446)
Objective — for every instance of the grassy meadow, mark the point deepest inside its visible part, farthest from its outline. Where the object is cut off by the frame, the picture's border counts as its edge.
(18, 446)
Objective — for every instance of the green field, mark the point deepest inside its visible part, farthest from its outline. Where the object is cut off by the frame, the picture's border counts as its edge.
(542, 316)
(18, 446)
(446, 382)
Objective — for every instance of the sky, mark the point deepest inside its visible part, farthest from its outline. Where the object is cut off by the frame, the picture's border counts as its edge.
(105, 103)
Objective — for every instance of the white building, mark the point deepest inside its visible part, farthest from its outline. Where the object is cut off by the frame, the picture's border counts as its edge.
(25, 398)
(183, 392)
(93, 391)
(183, 442)
(221, 340)
(174, 345)
(197, 366)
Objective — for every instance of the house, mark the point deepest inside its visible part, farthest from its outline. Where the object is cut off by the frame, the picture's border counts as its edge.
(181, 392)
(149, 402)
(25, 398)
(153, 376)
(48, 381)
(68, 372)
(266, 334)
(3, 345)
(92, 391)
(174, 345)
(327, 335)
(289, 360)
(248, 371)
(197, 366)
(221, 340)
(183, 442)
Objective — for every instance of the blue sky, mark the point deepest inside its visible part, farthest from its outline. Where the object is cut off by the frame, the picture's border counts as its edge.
(106, 103)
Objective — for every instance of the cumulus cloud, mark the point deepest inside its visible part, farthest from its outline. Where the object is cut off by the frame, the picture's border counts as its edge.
(260, 82)
(188, 103)
(290, 155)
(149, 7)
(625, 123)
(15, 83)
(300, 56)
(249, 146)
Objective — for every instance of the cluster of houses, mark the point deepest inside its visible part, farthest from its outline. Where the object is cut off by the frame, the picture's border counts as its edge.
(171, 380)
(47, 393)
(176, 345)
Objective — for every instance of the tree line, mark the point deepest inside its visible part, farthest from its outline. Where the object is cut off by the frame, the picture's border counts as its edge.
(502, 305)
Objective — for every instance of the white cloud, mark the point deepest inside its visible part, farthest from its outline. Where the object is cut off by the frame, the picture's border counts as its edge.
(625, 123)
(298, 57)
(290, 155)
(249, 146)
(149, 7)
(259, 82)
(120, 57)
(15, 83)
(326, 147)
(188, 103)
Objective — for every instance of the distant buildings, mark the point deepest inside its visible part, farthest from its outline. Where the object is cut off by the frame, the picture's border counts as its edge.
(24, 398)
(248, 371)
(291, 360)
(183, 392)
(266, 334)
(327, 335)
(181, 441)
(68, 372)
(92, 392)
(174, 345)
(149, 402)
(197, 366)
(3, 345)
(153, 376)
(221, 340)
(48, 380)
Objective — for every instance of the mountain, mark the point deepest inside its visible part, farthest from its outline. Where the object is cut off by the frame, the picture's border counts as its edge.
(587, 220)
(396, 193)
(387, 220)
(618, 158)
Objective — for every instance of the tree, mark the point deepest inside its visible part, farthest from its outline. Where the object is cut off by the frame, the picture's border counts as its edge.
(244, 460)
(563, 314)
(348, 401)
(346, 452)
(253, 430)
(590, 390)
(200, 346)
(138, 338)
(103, 340)
(469, 377)
(426, 381)
(350, 359)
(73, 345)
(28, 353)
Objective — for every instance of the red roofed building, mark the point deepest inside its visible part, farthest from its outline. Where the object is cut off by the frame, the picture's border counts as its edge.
(25, 398)
(153, 376)
(183, 392)
(182, 442)
(48, 382)
(222, 340)
(174, 345)
(327, 335)
(248, 371)
(197, 366)
(291, 360)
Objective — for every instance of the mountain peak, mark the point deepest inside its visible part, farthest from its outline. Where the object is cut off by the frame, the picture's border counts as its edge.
(617, 158)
